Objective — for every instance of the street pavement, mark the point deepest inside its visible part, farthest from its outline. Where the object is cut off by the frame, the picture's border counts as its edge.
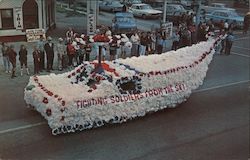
(212, 125)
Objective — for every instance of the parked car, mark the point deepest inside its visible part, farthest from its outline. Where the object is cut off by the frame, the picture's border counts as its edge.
(230, 16)
(145, 11)
(123, 22)
(111, 6)
(215, 6)
(172, 9)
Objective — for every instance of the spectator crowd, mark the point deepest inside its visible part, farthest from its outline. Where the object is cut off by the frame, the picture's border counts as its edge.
(74, 48)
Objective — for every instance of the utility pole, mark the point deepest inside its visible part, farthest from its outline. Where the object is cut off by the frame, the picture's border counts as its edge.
(164, 11)
(198, 12)
(198, 16)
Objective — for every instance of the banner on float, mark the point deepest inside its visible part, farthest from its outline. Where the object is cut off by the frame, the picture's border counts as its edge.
(162, 91)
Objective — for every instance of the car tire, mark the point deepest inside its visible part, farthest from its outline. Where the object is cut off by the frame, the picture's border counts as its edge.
(144, 16)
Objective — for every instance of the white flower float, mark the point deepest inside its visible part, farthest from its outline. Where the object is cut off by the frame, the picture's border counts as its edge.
(126, 88)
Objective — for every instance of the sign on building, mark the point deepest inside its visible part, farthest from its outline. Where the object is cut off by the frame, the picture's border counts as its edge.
(33, 35)
(18, 18)
(167, 29)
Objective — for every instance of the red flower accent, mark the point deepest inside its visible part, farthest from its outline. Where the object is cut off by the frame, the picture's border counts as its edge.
(73, 74)
(63, 103)
(40, 85)
(59, 99)
(158, 73)
(93, 87)
(56, 96)
(62, 118)
(50, 93)
(90, 90)
(78, 70)
(45, 100)
(62, 109)
(35, 79)
(69, 76)
(101, 38)
(48, 112)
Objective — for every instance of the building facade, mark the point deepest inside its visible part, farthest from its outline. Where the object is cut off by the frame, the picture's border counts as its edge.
(18, 15)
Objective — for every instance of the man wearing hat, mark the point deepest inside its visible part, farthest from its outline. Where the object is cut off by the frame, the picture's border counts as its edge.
(49, 49)
(61, 53)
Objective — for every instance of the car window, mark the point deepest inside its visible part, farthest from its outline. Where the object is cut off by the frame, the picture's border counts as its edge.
(224, 14)
(146, 7)
(216, 13)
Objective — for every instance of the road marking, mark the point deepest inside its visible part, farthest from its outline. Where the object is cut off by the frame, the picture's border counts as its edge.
(196, 91)
(221, 86)
(241, 48)
(22, 127)
(242, 55)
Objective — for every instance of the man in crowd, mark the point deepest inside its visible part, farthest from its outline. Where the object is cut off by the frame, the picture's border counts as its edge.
(6, 61)
(61, 53)
(49, 49)
(40, 48)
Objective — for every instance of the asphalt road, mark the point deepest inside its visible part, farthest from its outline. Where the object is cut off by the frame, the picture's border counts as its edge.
(212, 125)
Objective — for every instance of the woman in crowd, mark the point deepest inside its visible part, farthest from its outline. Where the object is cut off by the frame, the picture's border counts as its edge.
(23, 59)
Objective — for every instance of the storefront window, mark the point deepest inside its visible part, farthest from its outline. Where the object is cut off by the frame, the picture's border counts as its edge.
(30, 14)
(7, 18)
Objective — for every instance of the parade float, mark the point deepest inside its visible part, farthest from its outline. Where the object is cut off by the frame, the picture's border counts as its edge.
(94, 94)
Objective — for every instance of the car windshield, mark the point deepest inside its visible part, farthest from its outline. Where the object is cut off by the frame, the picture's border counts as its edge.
(116, 3)
(146, 7)
(179, 7)
(136, 1)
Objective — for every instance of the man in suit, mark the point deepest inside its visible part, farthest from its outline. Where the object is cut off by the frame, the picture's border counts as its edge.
(49, 49)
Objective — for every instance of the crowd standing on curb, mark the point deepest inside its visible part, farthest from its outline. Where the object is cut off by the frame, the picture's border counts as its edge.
(75, 48)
